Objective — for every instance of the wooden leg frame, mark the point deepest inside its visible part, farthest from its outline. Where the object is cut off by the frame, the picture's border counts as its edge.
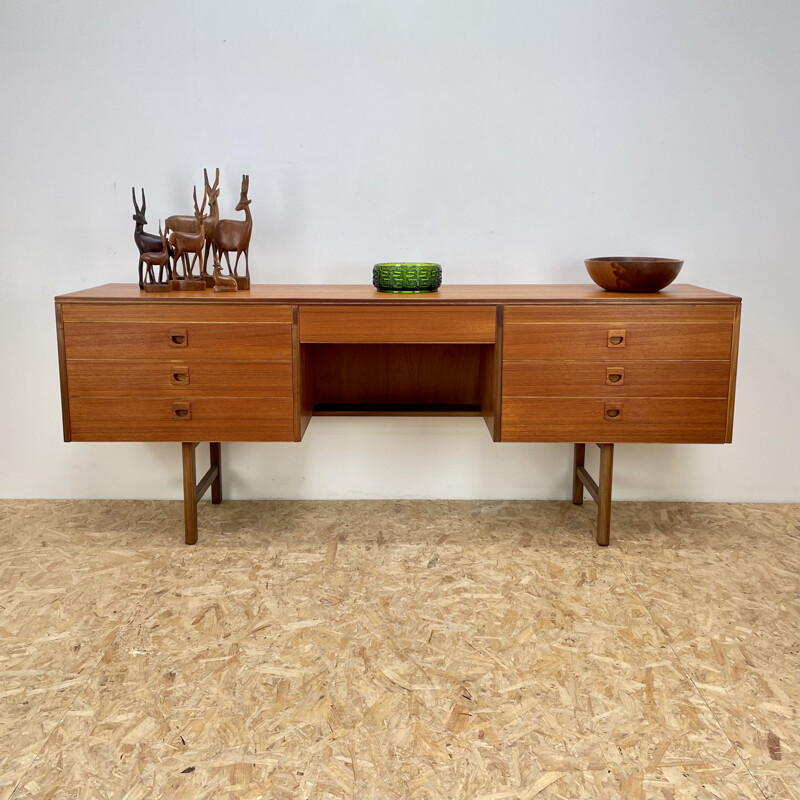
(193, 491)
(602, 493)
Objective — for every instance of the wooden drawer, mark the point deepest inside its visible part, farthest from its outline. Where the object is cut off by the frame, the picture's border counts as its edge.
(128, 340)
(635, 341)
(537, 419)
(141, 378)
(213, 419)
(405, 324)
(210, 309)
(608, 379)
(615, 314)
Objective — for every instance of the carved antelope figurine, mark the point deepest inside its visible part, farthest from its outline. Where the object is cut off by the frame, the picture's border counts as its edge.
(146, 242)
(212, 193)
(223, 283)
(183, 243)
(183, 223)
(160, 260)
(234, 235)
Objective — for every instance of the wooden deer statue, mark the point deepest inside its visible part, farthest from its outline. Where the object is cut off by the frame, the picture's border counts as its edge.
(183, 244)
(183, 223)
(234, 235)
(223, 283)
(146, 242)
(160, 260)
(212, 193)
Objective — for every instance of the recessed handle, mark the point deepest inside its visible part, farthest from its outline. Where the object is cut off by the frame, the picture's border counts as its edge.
(612, 411)
(616, 338)
(179, 375)
(181, 411)
(178, 337)
(615, 376)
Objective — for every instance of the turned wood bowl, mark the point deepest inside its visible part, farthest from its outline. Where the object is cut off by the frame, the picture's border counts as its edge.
(633, 274)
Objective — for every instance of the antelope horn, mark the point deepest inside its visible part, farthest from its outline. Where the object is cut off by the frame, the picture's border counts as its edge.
(133, 195)
(194, 195)
(144, 202)
(216, 179)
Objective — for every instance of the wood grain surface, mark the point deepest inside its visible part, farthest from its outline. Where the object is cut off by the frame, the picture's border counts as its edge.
(642, 419)
(397, 324)
(643, 341)
(639, 379)
(614, 314)
(406, 374)
(227, 419)
(132, 340)
(481, 294)
(186, 311)
(179, 378)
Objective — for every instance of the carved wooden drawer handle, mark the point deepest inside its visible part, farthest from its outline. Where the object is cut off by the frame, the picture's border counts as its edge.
(616, 338)
(181, 411)
(615, 376)
(179, 375)
(178, 337)
(612, 411)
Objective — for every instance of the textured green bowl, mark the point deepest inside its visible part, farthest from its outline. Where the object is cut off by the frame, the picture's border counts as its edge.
(407, 278)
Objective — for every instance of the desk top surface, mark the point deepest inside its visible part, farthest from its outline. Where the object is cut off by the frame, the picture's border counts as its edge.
(481, 294)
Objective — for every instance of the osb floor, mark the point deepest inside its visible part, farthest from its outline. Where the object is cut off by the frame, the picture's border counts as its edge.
(398, 650)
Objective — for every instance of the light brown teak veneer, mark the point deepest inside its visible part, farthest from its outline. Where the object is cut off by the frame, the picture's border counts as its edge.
(551, 363)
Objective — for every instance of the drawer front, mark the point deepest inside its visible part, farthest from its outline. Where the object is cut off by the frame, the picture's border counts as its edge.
(610, 379)
(140, 378)
(208, 310)
(397, 324)
(213, 419)
(537, 419)
(614, 314)
(622, 342)
(129, 340)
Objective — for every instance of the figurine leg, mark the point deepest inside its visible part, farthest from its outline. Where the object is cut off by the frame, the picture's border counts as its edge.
(141, 278)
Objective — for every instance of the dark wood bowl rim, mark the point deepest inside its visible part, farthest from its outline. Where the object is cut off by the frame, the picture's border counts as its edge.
(635, 259)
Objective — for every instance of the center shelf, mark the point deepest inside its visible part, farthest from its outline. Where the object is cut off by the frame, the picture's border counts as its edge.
(398, 409)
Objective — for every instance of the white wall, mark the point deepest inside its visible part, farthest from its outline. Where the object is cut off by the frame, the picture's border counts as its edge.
(505, 139)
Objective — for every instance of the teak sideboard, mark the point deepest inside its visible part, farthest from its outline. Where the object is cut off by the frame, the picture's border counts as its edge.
(547, 363)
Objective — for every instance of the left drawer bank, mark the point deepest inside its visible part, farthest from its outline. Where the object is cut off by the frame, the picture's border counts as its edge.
(180, 372)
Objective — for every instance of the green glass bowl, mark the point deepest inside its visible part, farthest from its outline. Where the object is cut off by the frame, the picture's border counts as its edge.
(407, 278)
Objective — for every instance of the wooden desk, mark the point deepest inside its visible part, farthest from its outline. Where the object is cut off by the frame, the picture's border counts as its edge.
(547, 363)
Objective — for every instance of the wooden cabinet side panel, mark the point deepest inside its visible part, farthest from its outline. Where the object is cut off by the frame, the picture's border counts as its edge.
(732, 379)
(62, 374)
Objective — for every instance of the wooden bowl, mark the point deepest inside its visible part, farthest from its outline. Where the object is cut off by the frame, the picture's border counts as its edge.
(633, 274)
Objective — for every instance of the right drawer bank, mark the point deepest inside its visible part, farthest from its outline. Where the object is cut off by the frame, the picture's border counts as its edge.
(624, 373)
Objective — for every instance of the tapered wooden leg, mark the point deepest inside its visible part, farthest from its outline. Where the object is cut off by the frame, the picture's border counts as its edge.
(577, 486)
(189, 492)
(601, 493)
(604, 499)
(216, 461)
